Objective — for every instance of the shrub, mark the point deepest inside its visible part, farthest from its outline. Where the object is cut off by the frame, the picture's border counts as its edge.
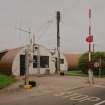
(98, 57)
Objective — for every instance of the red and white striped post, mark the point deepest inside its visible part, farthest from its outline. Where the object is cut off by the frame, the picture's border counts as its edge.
(89, 39)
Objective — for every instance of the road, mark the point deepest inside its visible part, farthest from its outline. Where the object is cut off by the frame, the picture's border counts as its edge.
(82, 96)
(57, 93)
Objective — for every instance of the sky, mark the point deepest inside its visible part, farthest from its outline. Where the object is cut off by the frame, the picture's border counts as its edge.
(40, 17)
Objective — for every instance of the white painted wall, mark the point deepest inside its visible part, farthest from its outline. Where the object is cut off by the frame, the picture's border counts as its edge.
(63, 67)
(16, 62)
(44, 52)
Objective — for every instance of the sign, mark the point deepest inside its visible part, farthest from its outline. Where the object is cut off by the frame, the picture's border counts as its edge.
(89, 65)
(96, 64)
(89, 39)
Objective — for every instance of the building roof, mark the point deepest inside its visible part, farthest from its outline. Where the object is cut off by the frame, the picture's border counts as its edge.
(7, 60)
(72, 60)
(2, 53)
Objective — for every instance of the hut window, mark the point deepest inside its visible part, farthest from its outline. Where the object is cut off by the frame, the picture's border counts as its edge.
(44, 61)
(34, 61)
(62, 61)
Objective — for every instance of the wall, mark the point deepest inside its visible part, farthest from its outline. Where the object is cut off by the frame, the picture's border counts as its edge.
(44, 52)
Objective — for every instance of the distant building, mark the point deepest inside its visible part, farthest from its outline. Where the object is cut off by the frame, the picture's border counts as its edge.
(72, 60)
(63, 61)
(42, 61)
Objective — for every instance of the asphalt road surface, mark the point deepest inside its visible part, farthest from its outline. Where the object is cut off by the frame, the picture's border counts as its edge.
(84, 96)
(81, 96)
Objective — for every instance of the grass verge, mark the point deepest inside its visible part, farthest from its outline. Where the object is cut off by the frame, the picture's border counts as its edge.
(75, 73)
(6, 80)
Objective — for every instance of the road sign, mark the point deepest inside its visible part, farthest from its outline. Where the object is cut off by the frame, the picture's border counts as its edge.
(89, 65)
(89, 39)
(96, 64)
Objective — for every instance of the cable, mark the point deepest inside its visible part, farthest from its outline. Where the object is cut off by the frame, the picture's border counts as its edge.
(46, 25)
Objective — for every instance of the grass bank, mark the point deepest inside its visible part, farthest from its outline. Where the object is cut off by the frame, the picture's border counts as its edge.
(75, 73)
(6, 80)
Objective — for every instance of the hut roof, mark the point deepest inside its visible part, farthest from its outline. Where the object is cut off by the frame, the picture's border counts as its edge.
(6, 60)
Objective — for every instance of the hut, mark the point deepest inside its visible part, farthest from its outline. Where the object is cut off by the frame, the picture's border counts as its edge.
(63, 61)
(41, 61)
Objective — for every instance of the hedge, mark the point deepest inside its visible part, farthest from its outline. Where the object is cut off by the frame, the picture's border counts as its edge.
(97, 57)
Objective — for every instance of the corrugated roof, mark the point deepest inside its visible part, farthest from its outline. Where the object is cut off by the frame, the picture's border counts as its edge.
(7, 60)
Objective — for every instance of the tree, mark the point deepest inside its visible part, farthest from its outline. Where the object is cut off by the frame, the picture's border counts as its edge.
(98, 62)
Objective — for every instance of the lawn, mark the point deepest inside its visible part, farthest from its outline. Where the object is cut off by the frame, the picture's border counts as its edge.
(75, 73)
(6, 80)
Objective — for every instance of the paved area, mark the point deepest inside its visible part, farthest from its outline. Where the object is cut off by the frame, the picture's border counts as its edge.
(100, 82)
(48, 88)
(49, 82)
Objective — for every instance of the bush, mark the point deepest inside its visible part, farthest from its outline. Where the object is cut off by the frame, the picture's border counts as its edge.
(98, 57)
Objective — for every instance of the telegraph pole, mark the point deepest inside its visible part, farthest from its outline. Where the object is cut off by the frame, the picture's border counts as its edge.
(33, 43)
(58, 40)
(38, 59)
(26, 55)
(37, 49)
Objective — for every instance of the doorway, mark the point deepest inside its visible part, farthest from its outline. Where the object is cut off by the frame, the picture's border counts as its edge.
(22, 65)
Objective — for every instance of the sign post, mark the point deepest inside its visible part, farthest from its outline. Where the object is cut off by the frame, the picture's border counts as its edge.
(100, 67)
(89, 39)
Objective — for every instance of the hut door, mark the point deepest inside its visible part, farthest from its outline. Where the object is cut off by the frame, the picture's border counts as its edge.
(22, 65)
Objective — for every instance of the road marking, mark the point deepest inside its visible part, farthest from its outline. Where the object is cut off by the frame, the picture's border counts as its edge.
(94, 99)
(59, 94)
(80, 98)
(77, 96)
(99, 86)
(86, 98)
(71, 95)
(100, 103)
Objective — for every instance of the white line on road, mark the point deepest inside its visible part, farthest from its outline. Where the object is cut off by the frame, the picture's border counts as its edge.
(77, 96)
(100, 103)
(99, 86)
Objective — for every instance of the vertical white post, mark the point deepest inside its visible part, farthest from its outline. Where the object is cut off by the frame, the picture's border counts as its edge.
(26, 66)
(100, 67)
(90, 71)
(38, 60)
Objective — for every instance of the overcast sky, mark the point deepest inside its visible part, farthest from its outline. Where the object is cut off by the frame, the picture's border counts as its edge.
(40, 16)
